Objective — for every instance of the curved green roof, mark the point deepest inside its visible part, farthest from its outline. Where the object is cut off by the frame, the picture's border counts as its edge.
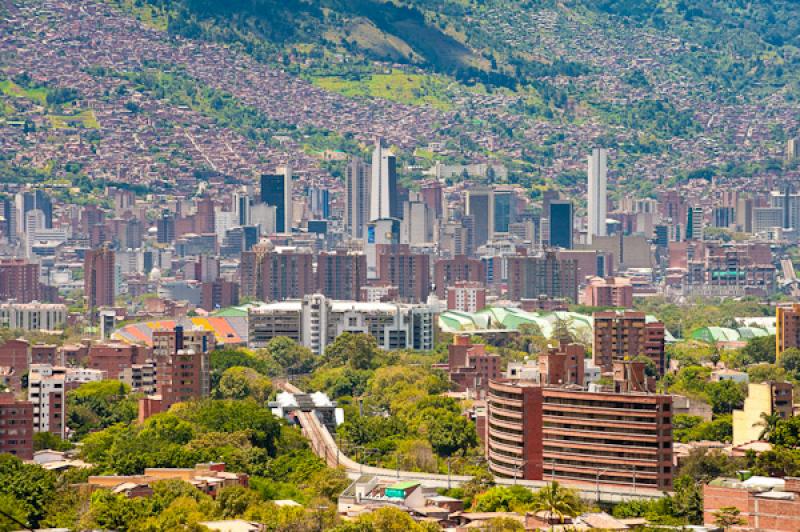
(713, 335)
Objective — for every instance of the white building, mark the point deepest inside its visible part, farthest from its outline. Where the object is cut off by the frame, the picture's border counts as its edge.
(33, 316)
(316, 321)
(47, 390)
(598, 179)
(383, 186)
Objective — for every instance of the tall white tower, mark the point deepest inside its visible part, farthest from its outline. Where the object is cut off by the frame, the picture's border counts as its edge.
(383, 186)
(597, 193)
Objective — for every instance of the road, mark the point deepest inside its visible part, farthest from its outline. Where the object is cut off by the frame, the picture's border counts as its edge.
(324, 446)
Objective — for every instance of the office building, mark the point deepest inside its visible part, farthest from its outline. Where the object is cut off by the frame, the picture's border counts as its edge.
(276, 191)
(242, 202)
(598, 201)
(695, 223)
(624, 335)
(561, 222)
(33, 316)
(763, 398)
(33, 200)
(608, 292)
(433, 197)
(384, 197)
(724, 217)
(99, 275)
(204, 218)
(320, 200)
(479, 209)
(341, 274)
(447, 272)
(466, 296)
(537, 432)
(409, 272)
(16, 426)
(787, 328)
(766, 219)
(530, 277)
(357, 210)
(165, 228)
(315, 321)
(19, 281)
(503, 210)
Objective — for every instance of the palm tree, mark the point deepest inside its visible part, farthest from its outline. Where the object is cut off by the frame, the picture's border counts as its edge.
(557, 502)
(769, 422)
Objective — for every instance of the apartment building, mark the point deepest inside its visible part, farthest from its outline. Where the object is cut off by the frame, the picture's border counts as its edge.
(47, 391)
(466, 296)
(316, 321)
(33, 316)
(762, 398)
(624, 336)
(16, 426)
(787, 331)
(461, 268)
(608, 292)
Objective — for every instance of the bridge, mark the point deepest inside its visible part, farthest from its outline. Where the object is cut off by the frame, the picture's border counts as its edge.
(324, 446)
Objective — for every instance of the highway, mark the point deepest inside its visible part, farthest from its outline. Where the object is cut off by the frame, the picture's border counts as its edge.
(324, 446)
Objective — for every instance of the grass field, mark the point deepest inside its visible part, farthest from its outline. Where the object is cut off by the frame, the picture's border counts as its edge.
(149, 16)
(413, 89)
(86, 119)
(38, 95)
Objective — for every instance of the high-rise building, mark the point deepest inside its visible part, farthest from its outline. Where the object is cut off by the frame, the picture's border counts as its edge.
(112, 358)
(34, 200)
(276, 190)
(447, 272)
(384, 198)
(466, 296)
(503, 210)
(433, 197)
(608, 292)
(561, 216)
(340, 275)
(16, 418)
(320, 200)
(597, 193)
(219, 293)
(204, 219)
(620, 336)
(409, 272)
(791, 149)
(695, 223)
(478, 207)
(47, 390)
(357, 212)
(19, 280)
(98, 277)
(723, 216)
(787, 328)
(165, 228)
(276, 274)
(182, 362)
(546, 275)
(242, 200)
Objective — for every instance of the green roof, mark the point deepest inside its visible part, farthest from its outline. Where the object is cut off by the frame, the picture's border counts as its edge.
(403, 485)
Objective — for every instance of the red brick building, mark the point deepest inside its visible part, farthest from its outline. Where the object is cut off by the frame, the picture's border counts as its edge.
(466, 296)
(787, 332)
(470, 367)
(409, 272)
(219, 294)
(16, 426)
(98, 281)
(46, 354)
(608, 292)
(547, 275)
(624, 336)
(771, 506)
(113, 358)
(276, 274)
(15, 354)
(340, 275)
(447, 272)
(19, 280)
(562, 365)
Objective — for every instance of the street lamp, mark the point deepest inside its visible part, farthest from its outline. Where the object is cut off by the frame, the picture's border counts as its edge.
(519, 464)
(597, 482)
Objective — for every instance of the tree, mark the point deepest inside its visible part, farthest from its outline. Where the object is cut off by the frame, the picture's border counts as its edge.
(558, 503)
(760, 349)
(503, 499)
(725, 396)
(786, 433)
(769, 422)
(790, 361)
(233, 501)
(242, 383)
(29, 486)
(288, 355)
(451, 433)
(728, 516)
(48, 440)
(359, 351)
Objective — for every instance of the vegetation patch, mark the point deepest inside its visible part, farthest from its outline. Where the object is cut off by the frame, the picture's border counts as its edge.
(85, 119)
(397, 86)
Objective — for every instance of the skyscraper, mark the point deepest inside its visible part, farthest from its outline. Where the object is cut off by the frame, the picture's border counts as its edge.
(503, 210)
(276, 190)
(341, 275)
(384, 202)
(695, 223)
(98, 280)
(561, 223)
(241, 206)
(597, 193)
(479, 204)
(358, 199)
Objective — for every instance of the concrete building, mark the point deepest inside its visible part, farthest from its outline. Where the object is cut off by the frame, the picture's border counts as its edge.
(140, 377)
(787, 328)
(99, 278)
(16, 426)
(384, 200)
(762, 398)
(341, 274)
(625, 335)
(357, 182)
(608, 292)
(598, 200)
(316, 321)
(33, 316)
(538, 432)
(47, 391)
(19, 281)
